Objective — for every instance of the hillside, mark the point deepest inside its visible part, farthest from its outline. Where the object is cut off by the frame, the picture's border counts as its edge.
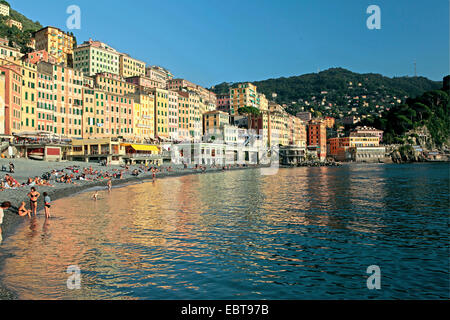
(423, 120)
(16, 36)
(339, 92)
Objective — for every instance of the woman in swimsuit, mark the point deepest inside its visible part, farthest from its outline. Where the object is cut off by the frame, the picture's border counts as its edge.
(33, 195)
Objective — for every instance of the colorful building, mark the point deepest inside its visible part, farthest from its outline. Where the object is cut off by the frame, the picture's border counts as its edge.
(68, 99)
(57, 43)
(243, 95)
(317, 138)
(92, 57)
(173, 114)
(215, 120)
(144, 117)
(130, 67)
(12, 98)
(29, 96)
(161, 113)
(113, 84)
(223, 102)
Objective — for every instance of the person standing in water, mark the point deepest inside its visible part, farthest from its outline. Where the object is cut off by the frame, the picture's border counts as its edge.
(109, 185)
(47, 204)
(153, 174)
(95, 196)
(4, 206)
(33, 195)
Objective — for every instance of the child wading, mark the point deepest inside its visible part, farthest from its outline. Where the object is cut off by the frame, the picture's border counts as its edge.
(47, 205)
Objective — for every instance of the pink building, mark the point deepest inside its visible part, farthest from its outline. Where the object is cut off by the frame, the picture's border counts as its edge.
(144, 83)
(223, 102)
(39, 56)
(173, 114)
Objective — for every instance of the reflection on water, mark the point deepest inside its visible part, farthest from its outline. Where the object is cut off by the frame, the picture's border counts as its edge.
(303, 233)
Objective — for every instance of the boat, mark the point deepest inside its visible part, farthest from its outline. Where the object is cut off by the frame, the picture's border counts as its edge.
(36, 154)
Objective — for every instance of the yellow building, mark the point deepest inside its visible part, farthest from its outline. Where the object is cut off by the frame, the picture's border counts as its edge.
(161, 112)
(263, 103)
(215, 120)
(144, 117)
(57, 43)
(363, 141)
(244, 95)
(278, 133)
(114, 84)
(29, 96)
(195, 117)
(129, 67)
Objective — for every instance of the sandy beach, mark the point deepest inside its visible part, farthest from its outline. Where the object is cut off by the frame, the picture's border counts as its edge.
(25, 169)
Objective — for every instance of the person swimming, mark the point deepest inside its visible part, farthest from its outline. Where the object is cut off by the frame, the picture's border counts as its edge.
(95, 196)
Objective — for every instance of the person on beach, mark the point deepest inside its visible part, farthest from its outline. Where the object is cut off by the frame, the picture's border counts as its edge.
(95, 196)
(109, 183)
(11, 167)
(153, 174)
(47, 204)
(33, 195)
(4, 206)
(23, 211)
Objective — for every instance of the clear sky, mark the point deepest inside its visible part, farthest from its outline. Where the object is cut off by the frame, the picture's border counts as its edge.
(212, 41)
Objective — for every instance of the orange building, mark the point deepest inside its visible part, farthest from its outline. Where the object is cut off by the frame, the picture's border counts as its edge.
(317, 138)
(12, 99)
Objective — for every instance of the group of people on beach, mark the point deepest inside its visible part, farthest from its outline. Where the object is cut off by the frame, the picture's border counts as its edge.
(33, 195)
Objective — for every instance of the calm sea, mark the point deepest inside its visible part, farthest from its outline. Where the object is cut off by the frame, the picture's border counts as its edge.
(305, 233)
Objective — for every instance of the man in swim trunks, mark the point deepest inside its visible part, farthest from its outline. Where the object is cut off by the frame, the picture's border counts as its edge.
(33, 195)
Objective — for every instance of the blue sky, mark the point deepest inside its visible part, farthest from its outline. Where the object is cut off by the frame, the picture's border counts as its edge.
(212, 41)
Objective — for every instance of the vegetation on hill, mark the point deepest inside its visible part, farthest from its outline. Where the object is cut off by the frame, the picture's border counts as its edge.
(339, 92)
(15, 36)
(423, 120)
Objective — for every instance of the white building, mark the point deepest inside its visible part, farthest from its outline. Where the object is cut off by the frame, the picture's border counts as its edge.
(4, 10)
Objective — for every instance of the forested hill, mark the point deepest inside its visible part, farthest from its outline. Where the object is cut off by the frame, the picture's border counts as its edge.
(338, 91)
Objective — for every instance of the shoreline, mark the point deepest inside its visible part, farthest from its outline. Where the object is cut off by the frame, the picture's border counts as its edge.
(12, 220)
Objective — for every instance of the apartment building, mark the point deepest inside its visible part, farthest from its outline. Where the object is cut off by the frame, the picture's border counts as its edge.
(57, 43)
(130, 67)
(92, 57)
(29, 96)
(144, 116)
(173, 114)
(12, 98)
(242, 95)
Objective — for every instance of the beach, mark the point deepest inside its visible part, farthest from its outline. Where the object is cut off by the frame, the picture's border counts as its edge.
(25, 169)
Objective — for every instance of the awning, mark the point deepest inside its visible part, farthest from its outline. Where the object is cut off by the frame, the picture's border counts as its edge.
(140, 147)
